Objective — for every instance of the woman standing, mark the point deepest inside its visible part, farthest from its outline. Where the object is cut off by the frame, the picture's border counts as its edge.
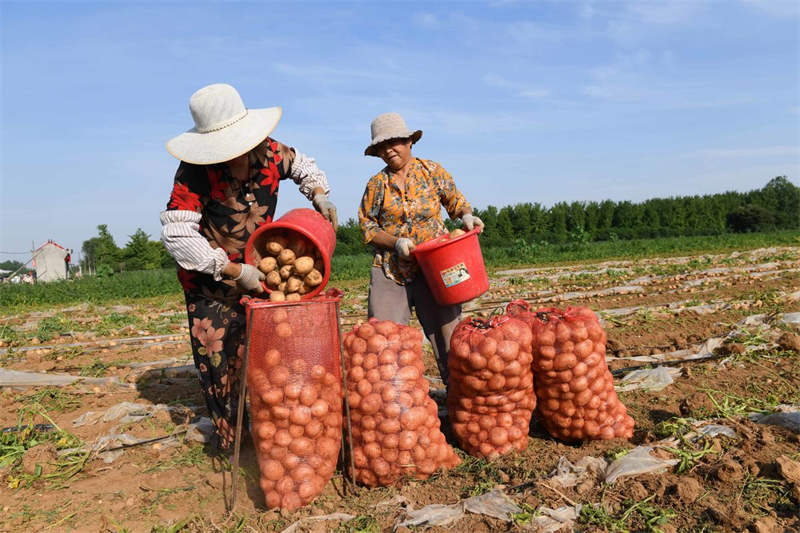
(226, 186)
(402, 206)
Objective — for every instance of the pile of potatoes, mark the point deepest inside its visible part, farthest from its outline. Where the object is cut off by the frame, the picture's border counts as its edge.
(296, 411)
(577, 399)
(293, 266)
(395, 424)
(491, 397)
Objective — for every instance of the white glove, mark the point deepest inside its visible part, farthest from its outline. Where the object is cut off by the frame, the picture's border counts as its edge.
(326, 208)
(404, 247)
(470, 221)
(250, 278)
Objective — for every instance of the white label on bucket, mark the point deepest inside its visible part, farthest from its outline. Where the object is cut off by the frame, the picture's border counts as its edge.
(455, 275)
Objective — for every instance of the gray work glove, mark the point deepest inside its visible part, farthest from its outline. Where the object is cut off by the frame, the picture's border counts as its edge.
(326, 208)
(250, 279)
(404, 247)
(471, 221)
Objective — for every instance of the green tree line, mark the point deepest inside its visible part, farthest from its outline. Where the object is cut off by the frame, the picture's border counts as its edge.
(776, 206)
(101, 254)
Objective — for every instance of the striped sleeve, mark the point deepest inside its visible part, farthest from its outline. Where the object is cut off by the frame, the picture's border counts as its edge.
(180, 233)
(308, 176)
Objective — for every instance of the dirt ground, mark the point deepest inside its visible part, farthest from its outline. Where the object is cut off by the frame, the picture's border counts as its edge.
(648, 307)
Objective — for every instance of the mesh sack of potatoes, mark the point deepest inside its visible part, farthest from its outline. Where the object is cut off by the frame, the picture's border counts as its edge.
(294, 385)
(293, 265)
(577, 399)
(395, 424)
(491, 397)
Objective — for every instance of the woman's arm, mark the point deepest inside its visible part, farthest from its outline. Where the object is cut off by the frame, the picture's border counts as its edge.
(180, 233)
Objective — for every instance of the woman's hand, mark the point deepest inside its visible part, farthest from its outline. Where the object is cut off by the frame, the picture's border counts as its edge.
(471, 221)
(326, 208)
(404, 247)
(247, 277)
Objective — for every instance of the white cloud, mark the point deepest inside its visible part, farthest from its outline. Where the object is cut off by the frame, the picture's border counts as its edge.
(663, 13)
(587, 11)
(728, 153)
(526, 33)
(494, 80)
(425, 19)
(776, 8)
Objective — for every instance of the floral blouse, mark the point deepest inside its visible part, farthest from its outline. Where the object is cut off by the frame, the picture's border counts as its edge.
(231, 209)
(415, 213)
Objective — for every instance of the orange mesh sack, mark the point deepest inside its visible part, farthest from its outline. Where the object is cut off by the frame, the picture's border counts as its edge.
(294, 386)
(395, 424)
(577, 400)
(491, 397)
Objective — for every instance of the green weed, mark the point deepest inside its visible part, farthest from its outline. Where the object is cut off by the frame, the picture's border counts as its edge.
(689, 456)
(359, 524)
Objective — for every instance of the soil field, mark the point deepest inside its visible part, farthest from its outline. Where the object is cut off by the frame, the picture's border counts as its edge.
(60, 472)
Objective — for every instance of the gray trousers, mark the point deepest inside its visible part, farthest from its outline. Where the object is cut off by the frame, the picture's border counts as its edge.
(390, 301)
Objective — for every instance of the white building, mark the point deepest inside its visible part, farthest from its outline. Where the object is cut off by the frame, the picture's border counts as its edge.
(51, 262)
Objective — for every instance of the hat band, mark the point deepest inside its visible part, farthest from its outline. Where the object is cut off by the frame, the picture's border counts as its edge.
(218, 127)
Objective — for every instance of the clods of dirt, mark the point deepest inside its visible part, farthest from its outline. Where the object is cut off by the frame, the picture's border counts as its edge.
(765, 524)
(696, 405)
(789, 342)
(732, 348)
(687, 490)
(42, 454)
(788, 469)
(729, 471)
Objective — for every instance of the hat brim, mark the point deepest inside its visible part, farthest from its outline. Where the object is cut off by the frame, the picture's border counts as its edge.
(227, 143)
(415, 136)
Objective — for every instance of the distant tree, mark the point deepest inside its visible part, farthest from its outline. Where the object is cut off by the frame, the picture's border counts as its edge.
(558, 223)
(748, 218)
(349, 239)
(140, 254)
(11, 265)
(101, 250)
(505, 226)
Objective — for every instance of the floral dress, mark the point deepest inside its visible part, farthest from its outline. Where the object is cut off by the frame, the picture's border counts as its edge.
(231, 211)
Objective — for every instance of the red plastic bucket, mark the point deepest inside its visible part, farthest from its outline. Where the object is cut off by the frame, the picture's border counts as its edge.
(453, 268)
(308, 223)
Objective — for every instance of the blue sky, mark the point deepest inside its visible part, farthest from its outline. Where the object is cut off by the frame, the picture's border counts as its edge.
(520, 101)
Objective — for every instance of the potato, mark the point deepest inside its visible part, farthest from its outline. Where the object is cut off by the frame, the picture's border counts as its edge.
(267, 265)
(276, 245)
(293, 284)
(273, 279)
(293, 297)
(285, 271)
(303, 265)
(313, 278)
(277, 296)
(286, 257)
(457, 233)
(282, 287)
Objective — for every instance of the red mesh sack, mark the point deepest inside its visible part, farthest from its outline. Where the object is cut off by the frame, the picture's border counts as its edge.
(395, 424)
(577, 400)
(521, 310)
(491, 397)
(294, 386)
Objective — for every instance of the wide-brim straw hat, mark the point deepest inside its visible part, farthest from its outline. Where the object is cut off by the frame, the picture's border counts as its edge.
(223, 128)
(390, 126)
